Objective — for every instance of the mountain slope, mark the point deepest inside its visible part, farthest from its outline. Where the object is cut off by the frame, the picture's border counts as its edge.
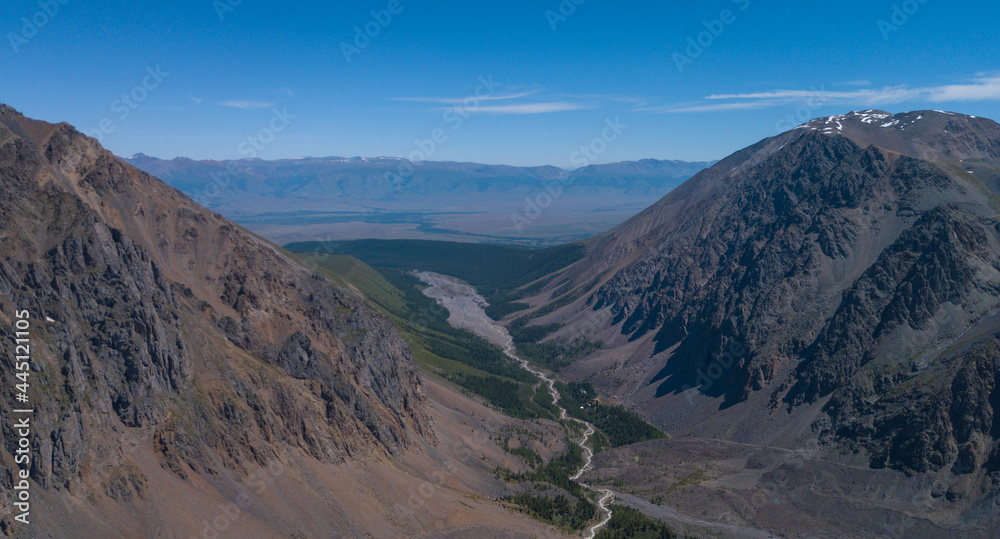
(154, 318)
(817, 287)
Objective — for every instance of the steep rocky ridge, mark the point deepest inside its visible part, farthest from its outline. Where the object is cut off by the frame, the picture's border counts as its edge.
(833, 285)
(152, 317)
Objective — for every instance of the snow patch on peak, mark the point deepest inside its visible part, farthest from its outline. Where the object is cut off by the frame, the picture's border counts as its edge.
(825, 123)
(872, 116)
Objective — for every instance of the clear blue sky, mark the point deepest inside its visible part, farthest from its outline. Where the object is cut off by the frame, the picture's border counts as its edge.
(554, 89)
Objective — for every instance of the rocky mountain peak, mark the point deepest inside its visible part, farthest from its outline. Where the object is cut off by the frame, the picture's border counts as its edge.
(926, 134)
(851, 258)
(157, 320)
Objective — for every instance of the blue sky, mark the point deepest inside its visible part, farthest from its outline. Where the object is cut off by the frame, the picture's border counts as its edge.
(230, 78)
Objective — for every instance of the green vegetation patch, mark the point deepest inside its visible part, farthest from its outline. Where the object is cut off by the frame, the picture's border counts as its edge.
(550, 509)
(497, 271)
(556, 510)
(551, 355)
(459, 356)
(619, 425)
(529, 455)
(628, 523)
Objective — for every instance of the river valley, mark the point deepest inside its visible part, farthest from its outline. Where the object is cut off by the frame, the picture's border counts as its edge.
(466, 310)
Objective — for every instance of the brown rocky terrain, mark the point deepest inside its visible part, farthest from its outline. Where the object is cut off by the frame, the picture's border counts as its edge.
(726, 489)
(190, 379)
(833, 289)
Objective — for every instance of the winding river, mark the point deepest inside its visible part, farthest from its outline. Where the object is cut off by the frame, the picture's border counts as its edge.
(465, 307)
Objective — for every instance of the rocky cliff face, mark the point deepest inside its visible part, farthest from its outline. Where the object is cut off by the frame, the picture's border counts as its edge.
(852, 263)
(155, 317)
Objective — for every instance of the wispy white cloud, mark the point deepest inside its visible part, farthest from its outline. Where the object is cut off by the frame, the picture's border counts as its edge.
(982, 88)
(531, 101)
(611, 98)
(714, 107)
(243, 104)
(986, 89)
(458, 100)
(881, 96)
(197, 100)
(531, 108)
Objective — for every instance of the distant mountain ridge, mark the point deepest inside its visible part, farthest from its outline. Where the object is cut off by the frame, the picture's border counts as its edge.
(307, 198)
(379, 177)
(644, 167)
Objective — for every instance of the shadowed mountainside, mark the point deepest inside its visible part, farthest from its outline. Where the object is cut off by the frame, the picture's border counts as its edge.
(835, 285)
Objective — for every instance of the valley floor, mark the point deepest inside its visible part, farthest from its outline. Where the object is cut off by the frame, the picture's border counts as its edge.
(715, 488)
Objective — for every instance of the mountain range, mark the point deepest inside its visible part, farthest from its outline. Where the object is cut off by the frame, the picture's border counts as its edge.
(337, 198)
